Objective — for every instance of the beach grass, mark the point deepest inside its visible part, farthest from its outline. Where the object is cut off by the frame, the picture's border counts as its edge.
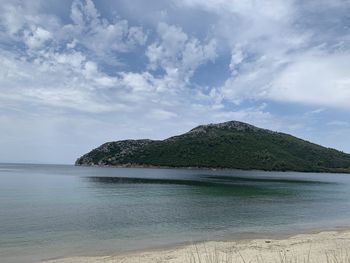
(322, 247)
(203, 254)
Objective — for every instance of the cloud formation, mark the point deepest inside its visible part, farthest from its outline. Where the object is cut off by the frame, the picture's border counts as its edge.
(155, 75)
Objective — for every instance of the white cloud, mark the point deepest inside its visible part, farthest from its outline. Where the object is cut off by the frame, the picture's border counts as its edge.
(320, 79)
(161, 115)
(37, 37)
(179, 55)
(60, 80)
(90, 70)
(83, 13)
(274, 9)
(75, 59)
(237, 58)
(136, 36)
(61, 64)
(315, 78)
(20, 19)
(24, 22)
(98, 34)
(274, 57)
(138, 81)
(11, 18)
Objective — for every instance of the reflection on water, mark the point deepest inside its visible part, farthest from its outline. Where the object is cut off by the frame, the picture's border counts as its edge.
(222, 185)
(266, 180)
(201, 180)
(53, 211)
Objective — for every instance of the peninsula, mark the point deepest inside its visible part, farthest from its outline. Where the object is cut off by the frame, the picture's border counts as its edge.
(232, 144)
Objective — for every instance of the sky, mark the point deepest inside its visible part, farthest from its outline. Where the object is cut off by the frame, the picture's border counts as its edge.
(77, 73)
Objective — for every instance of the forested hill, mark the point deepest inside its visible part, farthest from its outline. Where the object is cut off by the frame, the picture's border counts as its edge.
(225, 145)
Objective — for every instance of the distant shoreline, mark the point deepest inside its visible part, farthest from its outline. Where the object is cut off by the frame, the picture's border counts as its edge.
(314, 246)
(207, 168)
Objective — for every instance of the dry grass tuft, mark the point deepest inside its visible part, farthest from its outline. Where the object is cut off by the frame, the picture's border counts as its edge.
(201, 254)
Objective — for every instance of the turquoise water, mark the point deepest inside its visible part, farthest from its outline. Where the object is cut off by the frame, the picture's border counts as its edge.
(49, 211)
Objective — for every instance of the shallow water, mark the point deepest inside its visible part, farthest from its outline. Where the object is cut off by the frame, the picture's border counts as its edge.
(49, 211)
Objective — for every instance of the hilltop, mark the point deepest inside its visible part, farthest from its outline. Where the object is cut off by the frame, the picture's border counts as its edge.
(230, 144)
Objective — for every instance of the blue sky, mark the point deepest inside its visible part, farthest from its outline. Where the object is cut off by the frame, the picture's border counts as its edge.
(75, 74)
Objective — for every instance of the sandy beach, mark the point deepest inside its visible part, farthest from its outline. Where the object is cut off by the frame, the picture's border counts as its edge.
(328, 247)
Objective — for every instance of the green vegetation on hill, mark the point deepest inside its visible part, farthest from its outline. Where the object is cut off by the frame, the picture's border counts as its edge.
(226, 145)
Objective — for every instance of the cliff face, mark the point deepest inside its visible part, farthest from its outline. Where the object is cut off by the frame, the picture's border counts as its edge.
(225, 145)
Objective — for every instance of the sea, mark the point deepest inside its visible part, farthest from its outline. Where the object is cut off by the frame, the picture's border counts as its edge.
(55, 211)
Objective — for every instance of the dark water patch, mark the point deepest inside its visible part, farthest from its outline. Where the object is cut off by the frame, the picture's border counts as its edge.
(134, 180)
(236, 179)
(209, 187)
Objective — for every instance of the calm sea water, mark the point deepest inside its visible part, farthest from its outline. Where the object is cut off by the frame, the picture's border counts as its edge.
(49, 211)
